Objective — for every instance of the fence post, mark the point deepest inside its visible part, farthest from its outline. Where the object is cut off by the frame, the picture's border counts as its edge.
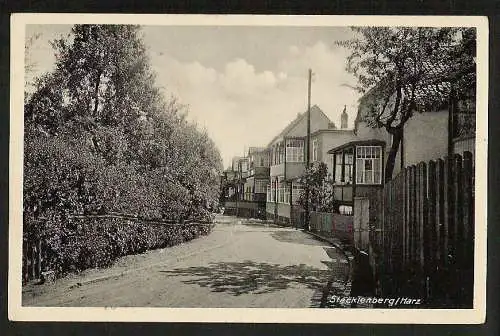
(447, 222)
(458, 237)
(387, 226)
(406, 222)
(422, 224)
(430, 242)
(412, 216)
(468, 228)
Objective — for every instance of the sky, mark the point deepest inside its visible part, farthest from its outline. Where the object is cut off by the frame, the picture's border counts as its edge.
(243, 84)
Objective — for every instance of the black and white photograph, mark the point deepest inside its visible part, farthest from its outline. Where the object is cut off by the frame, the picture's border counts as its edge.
(331, 167)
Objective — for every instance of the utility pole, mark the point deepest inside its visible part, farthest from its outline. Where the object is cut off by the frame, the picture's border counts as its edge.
(308, 144)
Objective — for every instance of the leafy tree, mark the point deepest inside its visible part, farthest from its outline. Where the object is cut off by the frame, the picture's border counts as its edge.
(29, 65)
(99, 129)
(320, 188)
(403, 70)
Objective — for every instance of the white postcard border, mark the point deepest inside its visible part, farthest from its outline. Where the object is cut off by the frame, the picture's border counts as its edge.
(252, 315)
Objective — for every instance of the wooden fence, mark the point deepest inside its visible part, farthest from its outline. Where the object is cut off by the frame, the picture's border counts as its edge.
(33, 247)
(428, 238)
(332, 225)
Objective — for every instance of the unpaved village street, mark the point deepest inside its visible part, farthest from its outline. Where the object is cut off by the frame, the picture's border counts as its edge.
(240, 264)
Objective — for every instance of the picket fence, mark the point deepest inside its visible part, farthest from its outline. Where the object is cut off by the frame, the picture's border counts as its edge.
(428, 236)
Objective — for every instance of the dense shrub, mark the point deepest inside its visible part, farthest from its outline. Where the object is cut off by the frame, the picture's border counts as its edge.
(82, 243)
(101, 138)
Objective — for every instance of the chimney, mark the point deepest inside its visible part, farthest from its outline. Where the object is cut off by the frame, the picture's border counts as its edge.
(343, 119)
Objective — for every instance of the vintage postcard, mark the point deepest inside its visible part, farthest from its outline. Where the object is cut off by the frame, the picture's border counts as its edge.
(240, 168)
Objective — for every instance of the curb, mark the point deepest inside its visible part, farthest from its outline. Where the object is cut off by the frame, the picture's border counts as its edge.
(350, 259)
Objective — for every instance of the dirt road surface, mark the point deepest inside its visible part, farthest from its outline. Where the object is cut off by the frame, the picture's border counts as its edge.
(240, 264)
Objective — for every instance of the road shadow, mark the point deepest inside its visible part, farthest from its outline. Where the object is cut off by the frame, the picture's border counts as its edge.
(249, 277)
(296, 237)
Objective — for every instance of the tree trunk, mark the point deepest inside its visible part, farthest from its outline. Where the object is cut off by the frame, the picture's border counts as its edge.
(397, 135)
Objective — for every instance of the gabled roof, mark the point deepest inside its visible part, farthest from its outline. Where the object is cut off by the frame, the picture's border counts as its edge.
(296, 121)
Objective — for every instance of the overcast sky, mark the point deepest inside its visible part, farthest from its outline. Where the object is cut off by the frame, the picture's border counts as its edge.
(243, 84)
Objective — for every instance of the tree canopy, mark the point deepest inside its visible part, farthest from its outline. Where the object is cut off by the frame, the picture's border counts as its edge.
(321, 197)
(403, 70)
(101, 136)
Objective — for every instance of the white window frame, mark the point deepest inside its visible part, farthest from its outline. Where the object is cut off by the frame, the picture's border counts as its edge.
(295, 150)
(272, 190)
(366, 154)
(260, 186)
(337, 177)
(315, 148)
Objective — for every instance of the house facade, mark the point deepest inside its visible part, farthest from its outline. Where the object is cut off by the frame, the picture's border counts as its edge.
(244, 184)
(358, 165)
(288, 161)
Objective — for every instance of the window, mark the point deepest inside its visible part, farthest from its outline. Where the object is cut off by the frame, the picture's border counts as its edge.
(338, 167)
(260, 186)
(287, 195)
(283, 194)
(345, 210)
(315, 149)
(295, 150)
(369, 165)
(343, 162)
(244, 166)
(272, 190)
(348, 161)
(277, 155)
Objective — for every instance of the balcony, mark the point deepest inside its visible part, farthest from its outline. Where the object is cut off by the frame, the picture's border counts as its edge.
(259, 172)
(293, 170)
(277, 170)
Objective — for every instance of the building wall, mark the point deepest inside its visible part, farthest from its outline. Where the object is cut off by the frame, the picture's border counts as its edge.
(318, 121)
(465, 144)
(426, 137)
(328, 140)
